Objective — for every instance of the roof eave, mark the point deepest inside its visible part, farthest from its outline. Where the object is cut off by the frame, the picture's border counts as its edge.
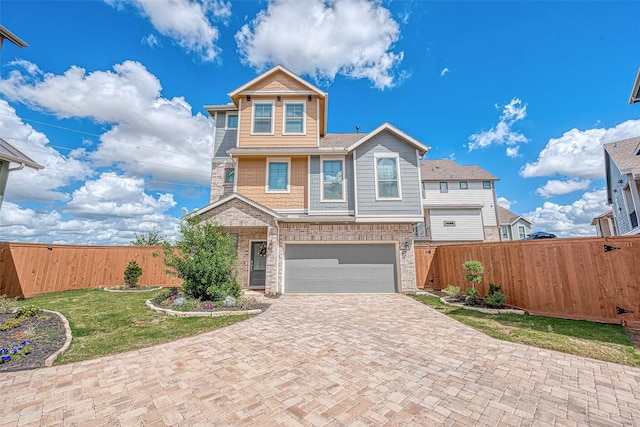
(635, 92)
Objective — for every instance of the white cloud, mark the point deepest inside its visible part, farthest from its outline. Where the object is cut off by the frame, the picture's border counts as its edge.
(188, 22)
(112, 195)
(323, 38)
(502, 133)
(513, 151)
(444, 71)
(579, 153)
(59, 171)
(504, 202)
(28, 225)
(572, 220)
(150, 40)
(555, 187)
(150, 135)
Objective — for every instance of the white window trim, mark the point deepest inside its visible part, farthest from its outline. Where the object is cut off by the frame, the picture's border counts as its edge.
(395, 156)
(304, 117)
(446, 186)
(253, 116)
(524, 232)
(226, 120)
(322, 199)
(466, 183)
(270, 160)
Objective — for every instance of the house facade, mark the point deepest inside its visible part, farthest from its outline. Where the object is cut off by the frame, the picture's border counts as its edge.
(622, 169)
(605, 224)
(512, 226)
(312, 211)
(459, 204)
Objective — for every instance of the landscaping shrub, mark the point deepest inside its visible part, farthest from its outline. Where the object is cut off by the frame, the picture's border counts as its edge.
(472, 300)
(150, 238)
(204, 258)
(495, 300)
(452, 291)
(473, 271)
(132, 274)
(26, 311)
(472, 292)
(493, 289)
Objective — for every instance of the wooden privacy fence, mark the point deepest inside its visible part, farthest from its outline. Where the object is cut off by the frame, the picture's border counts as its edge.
(585, 278)
(28, 269)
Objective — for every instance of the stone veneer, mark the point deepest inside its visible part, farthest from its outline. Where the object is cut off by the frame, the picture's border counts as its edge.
(219, 189)
(491, 234)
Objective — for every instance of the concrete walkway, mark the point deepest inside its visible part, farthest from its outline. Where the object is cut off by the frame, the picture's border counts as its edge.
(329, 360)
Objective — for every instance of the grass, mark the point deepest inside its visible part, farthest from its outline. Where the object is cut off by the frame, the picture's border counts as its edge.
(588, 339)
(105, 323)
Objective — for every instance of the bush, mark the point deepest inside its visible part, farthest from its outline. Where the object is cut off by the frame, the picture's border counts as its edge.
(150, 238)
(229, 301)
(132, 273)
(472, 292)
(204, 258)
(26, 312)
(473, 271)
(472, 300)
(493, 289)
(452, 291)
(495, 300)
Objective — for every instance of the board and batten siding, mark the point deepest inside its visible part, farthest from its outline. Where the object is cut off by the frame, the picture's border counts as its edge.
(387, 143)
(315, 191)
(467, 224)
(224, 139)
(618, 181)
(474, 195)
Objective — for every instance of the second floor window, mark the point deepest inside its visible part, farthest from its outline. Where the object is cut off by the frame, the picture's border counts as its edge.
(294, 118)
(486, 185)
(387, 178)
(229, 174)
(232, 121)
(278, 175)
(262, 118)
(464, 185)
(444, 187)
(332, 188)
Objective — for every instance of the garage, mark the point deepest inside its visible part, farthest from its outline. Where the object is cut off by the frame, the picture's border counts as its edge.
(340, 268)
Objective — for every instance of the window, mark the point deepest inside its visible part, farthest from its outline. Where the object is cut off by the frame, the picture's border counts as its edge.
(278, 175)
(505, 232)
(234, 242)
(294, 118)
(332, 180)
(486, 185)
(444, 187)
(521, 232)
(262, 118)
(464, 185)
(449, 223)
(229, 174)
(232, 121)
(387, 178)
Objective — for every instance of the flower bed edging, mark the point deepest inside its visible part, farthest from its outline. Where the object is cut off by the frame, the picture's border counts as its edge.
(67, 332)
(484, 310)
(170, 312)
(131, 291)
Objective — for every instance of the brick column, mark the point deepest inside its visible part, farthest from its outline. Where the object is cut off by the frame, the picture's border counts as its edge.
(272, 281)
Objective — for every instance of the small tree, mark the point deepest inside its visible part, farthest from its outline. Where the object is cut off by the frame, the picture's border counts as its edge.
(132, 273)
(150, 238)
(473, 271)
(204, 258)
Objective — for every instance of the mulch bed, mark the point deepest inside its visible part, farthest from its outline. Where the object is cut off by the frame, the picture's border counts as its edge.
(46, 333)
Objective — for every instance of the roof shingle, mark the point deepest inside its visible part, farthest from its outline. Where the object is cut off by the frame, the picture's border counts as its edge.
(623, 154)
(437, 170)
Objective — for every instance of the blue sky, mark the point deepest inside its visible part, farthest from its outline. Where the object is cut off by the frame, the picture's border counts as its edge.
(109, 97)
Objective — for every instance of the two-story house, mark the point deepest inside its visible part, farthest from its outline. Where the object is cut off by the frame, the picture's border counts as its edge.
(622, 169)
(459, 204)
(512, 226)
(312, 211)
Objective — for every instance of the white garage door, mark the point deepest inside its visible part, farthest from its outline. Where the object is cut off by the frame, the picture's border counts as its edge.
(344, 268)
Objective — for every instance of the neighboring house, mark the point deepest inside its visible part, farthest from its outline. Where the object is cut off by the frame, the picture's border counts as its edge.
(459, 204)
(622, 169)
(512, 226)
(312, 211)
(635, 91)
(10, 154)
(605, 224)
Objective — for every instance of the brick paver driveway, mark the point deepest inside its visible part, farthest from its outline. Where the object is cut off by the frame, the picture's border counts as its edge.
(329, 360)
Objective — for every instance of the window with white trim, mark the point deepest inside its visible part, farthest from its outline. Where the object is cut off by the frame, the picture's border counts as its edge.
(505, 232)
(486, 185)
(232, 121)
(332, 180)
(229, 175)
(387, 176)
(521, 232)
(262, 118)
(444, 187)
(294, 118)
(278, 175)
(464, 185)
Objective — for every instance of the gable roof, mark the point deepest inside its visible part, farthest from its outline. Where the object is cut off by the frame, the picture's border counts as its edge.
(277, 68)
(10, 153)
(635, 91)
(388, 127)
(442, 170)
(237, 196)
(506, 217)
(625, 155)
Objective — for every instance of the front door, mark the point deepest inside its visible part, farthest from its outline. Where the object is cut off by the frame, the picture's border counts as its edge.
(258, 265)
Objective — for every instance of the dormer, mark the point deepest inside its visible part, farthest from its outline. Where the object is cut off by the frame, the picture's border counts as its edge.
(280, 110)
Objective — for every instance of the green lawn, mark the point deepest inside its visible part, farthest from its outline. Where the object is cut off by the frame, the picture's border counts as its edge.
(108, 322)
(589, 339)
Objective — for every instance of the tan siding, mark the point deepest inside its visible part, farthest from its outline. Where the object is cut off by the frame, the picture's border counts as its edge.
(277, 81)
(252, 175)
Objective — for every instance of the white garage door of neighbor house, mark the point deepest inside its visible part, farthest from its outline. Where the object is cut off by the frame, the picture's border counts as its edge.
(343, 268)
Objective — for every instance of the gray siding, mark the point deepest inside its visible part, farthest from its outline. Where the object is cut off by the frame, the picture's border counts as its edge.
(224, 139)
(315, 193)
(621, 216)
(410, 204)
(340, 268)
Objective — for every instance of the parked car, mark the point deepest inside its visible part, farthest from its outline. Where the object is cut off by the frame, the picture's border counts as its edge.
(540, 235)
